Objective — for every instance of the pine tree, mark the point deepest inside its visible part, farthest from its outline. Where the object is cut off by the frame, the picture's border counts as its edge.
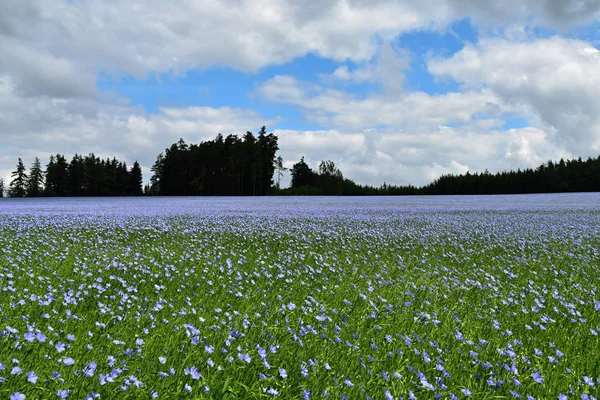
(35, 180)
(135, 180)
(19, 182)
(1, 188)
(302, 174)
(157, 175)
(57, 177)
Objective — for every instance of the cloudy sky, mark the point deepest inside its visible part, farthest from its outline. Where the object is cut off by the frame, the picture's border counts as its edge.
(390, 90)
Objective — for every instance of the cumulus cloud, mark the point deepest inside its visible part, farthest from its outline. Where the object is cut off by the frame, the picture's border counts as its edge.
(386, 69)
(375, 156)
(153, 36)
(337, 108)
(554, 81)
(52, 53)
(42, 126)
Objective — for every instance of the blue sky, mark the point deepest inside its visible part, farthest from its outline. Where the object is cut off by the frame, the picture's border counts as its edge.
(392, 91)
(221, 86)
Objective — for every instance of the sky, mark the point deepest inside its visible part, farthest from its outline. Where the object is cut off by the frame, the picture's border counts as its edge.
(400, 92)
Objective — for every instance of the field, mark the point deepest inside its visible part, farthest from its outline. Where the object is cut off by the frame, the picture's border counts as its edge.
(381, 298)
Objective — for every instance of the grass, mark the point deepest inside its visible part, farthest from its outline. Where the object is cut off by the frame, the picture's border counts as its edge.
(351, 304)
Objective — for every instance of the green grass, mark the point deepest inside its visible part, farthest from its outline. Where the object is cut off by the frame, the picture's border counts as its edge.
(419, 280)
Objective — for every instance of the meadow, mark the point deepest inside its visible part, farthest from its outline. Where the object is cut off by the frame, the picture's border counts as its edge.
(301, 298)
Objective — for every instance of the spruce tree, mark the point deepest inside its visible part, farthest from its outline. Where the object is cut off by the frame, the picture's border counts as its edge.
(35, 180)
(18, 185)
(135, 180)
(1, 188)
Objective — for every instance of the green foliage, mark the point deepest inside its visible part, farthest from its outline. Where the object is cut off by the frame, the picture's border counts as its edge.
(385, 292)
(18, 185)
(135, 182)
(35, 180)
(83, 176)
(227, 166)
(564, 176)
(302, 175)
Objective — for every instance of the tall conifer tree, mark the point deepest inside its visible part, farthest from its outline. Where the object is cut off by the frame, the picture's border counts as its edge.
(18, 186)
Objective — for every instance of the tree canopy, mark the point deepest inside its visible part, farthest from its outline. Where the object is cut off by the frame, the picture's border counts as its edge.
(18, 185)
(225, 166)
(82, 176)
(245, 166)
(551, 177)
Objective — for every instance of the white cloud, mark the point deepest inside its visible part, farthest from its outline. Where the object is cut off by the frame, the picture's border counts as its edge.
(422, 137)
(376, 156)
(554, 82)
(42, 126)
(148, 36)
(386, 68)
(336, 108)
(52, 53)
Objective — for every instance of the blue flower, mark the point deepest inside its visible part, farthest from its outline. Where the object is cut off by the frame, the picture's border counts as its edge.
(515, 394)
(262, 353)
(32, 377)
(195, 374)
(29, 336)
(40, 337)
(90, 369)
(68, 361)
(537, 377)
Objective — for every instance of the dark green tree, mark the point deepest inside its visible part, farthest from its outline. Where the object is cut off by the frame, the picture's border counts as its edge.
(225, 166)
(135, 180)
(76, 172)
(302, 174)
(268, 149)
(18, 185)
(157, 175)
(1, 188)
(57, 177)
(331, 180)
(35, 180)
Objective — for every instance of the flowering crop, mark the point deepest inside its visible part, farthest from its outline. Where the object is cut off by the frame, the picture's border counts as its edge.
(310, 298)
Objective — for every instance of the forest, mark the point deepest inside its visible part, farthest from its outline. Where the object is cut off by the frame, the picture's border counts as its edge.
(574, 175)
(82, 176)
(248, 166)
(225, 166)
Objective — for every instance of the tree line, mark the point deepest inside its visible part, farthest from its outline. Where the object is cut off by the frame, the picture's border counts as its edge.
(574, 175)
(225, 166)
(245, 166)
(82, 176)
